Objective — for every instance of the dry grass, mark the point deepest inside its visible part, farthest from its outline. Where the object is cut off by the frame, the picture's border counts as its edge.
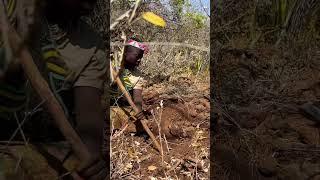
(133, 157)
(172, 71)
(259, 89)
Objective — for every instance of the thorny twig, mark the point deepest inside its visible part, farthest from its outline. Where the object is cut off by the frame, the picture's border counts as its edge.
(120, 132)
(27, 114)
(158, 121)
(201, 48)
(204, 9)
(20, 129)
(117, 21)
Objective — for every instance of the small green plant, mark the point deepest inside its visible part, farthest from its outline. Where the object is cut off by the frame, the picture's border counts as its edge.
(197, 19)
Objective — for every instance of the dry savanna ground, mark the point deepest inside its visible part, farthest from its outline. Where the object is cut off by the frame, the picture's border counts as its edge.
(179, 118)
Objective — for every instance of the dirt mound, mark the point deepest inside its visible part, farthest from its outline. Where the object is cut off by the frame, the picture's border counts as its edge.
(184, 131)
(179, 120)
(260, 96)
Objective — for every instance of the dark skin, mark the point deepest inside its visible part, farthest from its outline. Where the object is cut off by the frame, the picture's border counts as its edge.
(89, 112)
(132, 60)
(88, 109)
(89, 117)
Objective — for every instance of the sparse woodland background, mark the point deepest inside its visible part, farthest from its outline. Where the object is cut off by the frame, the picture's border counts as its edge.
(184, 25)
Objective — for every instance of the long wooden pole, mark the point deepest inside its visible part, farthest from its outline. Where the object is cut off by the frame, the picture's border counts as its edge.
(135, 108)
(43, 90)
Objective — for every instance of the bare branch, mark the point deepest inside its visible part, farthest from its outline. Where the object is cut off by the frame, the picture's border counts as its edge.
(202, 48)
(134, 11)
(204, 9)
(120, 18)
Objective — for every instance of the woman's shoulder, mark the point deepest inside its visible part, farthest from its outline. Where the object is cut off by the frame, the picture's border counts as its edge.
(85, 35)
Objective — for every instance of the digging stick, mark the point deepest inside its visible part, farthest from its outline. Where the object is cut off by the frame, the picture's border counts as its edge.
(135, 108)
(43, 90)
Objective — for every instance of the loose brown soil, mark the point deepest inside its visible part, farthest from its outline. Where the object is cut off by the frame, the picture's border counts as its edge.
(264, 133)
(184, 122)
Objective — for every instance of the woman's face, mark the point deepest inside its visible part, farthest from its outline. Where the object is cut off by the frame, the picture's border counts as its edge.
(132, 57)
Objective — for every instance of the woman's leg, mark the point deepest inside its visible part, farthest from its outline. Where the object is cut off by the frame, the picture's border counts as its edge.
(89, 117)
(90, 123)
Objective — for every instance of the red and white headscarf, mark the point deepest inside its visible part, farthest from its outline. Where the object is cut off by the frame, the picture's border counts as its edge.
(139, 45)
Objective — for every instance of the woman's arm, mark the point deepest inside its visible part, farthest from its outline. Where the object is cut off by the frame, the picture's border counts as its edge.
(137, 98)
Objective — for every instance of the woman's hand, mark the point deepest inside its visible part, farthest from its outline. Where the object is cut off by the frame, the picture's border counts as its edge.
(96, 171)
(141, 115)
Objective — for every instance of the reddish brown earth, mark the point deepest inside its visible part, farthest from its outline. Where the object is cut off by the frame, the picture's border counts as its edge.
(261, 131)
(184, 120)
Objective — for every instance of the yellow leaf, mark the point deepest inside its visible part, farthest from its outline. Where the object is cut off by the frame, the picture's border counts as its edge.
(154, 19)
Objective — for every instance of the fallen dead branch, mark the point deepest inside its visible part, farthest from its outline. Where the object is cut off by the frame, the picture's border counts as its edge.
(202, 48)
(120, 132)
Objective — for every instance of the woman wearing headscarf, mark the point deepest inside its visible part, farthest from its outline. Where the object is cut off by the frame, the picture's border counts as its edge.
(130, 76)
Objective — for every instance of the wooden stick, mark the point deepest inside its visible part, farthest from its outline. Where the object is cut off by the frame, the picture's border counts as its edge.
(135, 108)
(134, 11)
(43, 90)
(121, 58)
(117, 21)
(4, 31)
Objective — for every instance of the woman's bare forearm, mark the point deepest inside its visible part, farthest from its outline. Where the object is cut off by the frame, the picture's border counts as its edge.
(137, 98)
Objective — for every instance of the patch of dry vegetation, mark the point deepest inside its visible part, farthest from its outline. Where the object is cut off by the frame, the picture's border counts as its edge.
(177, 70)
(262, 75)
